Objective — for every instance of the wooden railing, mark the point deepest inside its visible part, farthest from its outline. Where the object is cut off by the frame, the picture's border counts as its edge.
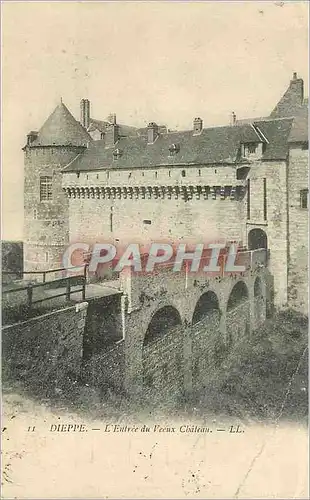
(46, 272)
(66, 282)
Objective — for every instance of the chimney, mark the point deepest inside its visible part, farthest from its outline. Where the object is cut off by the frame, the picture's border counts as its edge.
(297, 89)
(85, 113)
(152, 132)
(233, 118)
(112, 134)
(197, 126)
(32, 136)
(112, 118)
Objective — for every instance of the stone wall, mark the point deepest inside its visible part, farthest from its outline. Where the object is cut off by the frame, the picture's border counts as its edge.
(144, 220)
(208, 347)
(107, 369)
(147, 294)
(47, 349)
(163, 365)
(298, 230)
(185, 358)
(46, 226)
(260, 310)
(275, 225)
(238, 323)
(12, 260)
(103, 325)
(161, 176)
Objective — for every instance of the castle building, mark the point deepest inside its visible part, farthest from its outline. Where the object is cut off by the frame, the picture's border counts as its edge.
(98, 181)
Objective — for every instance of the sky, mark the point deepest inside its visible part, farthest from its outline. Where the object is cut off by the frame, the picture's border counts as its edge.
(166, 62)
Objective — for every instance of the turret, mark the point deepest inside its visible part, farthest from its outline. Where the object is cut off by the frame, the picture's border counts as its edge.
(46, 211)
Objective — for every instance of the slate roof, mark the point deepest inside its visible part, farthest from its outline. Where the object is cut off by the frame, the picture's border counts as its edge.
(101, 125)
(299, 130)
(97, 125)
(162, 129)
(217, 145)
(292, 100)
(277, 133)
(61, 129)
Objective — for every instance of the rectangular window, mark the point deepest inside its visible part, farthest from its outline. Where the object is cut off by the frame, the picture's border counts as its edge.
(265, 198)
(248, 199)
(45, 188)
(304, 194)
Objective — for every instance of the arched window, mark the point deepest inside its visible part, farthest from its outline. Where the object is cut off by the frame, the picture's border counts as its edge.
(257, 238)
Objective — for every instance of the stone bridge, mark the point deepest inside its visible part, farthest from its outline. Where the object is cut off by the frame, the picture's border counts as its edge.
(159, 334)
(178, 327)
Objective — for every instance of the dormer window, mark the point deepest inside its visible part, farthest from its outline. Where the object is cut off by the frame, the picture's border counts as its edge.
(117, 154)
(251, 148)
(173, 149)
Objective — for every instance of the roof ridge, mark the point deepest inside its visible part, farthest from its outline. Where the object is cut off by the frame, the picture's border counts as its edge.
(270, 119)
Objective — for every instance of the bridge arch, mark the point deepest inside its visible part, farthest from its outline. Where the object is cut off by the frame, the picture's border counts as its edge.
(238, 294)
(207, 302)
(237, 313)
(208, 348)
(162, 354)
(257, 238)
(162, 321)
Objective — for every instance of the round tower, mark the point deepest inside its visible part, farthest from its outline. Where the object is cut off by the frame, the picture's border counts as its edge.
(46, 212)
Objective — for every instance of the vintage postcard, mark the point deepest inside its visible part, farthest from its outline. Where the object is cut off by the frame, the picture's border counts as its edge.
(154, 250)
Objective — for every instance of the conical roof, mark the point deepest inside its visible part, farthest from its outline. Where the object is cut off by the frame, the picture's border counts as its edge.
(61, 129)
